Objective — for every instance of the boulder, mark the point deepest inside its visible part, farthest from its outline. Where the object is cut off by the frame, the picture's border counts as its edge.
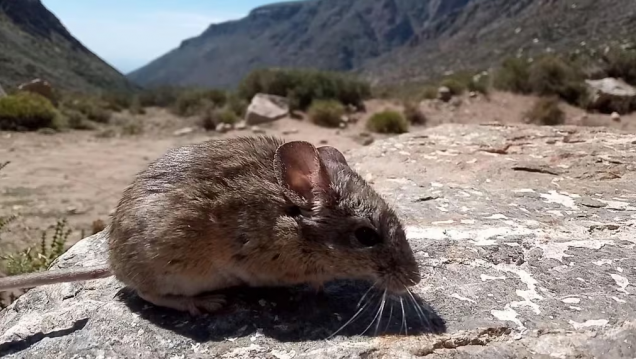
(40, 87)
(513, 266)
(266, 108)
(611, 95)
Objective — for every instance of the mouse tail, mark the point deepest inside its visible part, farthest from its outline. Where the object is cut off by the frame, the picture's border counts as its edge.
(37, 279)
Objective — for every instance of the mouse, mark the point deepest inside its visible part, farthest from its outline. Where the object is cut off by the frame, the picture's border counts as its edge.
(252, 211)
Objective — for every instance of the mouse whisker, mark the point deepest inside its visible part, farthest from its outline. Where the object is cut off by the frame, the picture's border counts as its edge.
(390, 316)
(381, 311)
(350, 320)
(406, 330)
(418, 309)
(366, 293)
(376, 315)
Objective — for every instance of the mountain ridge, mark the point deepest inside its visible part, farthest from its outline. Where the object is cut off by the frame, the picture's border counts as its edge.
(35, 44)
(386, 40)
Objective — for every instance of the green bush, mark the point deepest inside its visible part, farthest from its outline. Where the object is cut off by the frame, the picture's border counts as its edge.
(35, 259)
(388, 122)
(429, 93)
(553, 76)
(414, 115)
(513, 76)
(227, 116)
(116, 101)
(162, 96)
(326, 113)
(237, 105)
(621, 63)
(302, 87)
(135, 106)
(25, 111)
(191, 102)
(77, 120)
(546, 111)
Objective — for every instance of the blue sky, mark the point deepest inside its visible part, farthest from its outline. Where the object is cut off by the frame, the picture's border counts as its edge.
(129, 33)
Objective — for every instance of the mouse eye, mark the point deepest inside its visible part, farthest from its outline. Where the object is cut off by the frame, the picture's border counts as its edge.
(367, 236)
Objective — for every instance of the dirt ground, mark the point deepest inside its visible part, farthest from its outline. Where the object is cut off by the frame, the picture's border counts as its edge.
(80, 175)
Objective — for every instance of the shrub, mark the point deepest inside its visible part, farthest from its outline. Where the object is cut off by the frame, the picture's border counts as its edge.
(302, 87)
(135, 107)
(227, 116)
(455, 86)
(32, 259)
(388, 122)
(326, 113)
(116, 101)
(191, 102)
(414, 115)
(25, 111)
(77, 120)
(429, 93)
(553, 76)
(621, 63)
(546, 111)
(513, 76)
(162, 96)
(237, 105)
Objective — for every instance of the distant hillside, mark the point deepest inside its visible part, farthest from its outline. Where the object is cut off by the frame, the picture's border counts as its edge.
(33, 43)
(388, 40)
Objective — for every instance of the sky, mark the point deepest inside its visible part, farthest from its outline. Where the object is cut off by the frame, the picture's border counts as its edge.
(130, 33)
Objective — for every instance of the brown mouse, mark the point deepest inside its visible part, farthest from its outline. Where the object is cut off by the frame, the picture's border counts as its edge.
(253, 211)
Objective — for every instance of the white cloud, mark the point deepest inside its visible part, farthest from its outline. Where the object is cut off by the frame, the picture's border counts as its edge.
(130, 42)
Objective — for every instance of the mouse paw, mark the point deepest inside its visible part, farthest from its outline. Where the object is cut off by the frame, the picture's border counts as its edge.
(208, 302)
(196, 305)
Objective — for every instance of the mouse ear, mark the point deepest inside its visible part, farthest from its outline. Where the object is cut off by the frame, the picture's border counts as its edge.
(331, 154)
(299, 167)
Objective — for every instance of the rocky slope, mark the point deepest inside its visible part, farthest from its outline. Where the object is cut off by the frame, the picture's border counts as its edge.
(388, 40)
(34, 43)
(528, 253)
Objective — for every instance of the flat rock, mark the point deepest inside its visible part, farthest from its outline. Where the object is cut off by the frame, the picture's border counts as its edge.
(514, 267)
(266, 108)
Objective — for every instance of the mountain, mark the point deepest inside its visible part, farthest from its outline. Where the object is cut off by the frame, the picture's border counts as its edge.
(34, 43)
(387, 40)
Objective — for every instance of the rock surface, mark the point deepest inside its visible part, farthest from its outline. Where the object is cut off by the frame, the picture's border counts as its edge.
(526, 238)
(266, 108)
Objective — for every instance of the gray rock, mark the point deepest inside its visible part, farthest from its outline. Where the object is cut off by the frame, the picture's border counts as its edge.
(513, 265)
(611, 94)
(184, 131)
(266, 108)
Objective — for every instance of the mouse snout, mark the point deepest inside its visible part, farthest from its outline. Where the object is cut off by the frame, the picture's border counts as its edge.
(399, 278)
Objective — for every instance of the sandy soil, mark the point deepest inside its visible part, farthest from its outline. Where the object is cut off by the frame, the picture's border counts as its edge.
(80, 175)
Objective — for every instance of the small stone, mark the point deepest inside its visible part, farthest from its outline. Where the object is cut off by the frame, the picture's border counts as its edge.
(472, 94)
(343, 125)
(616, 117)
(369, 178)
(184, 131)
(345, 119)
(220, 128)
(293, 131)
(323, 142)
(228, 127)
(367, 141)
(367, 134)
(258, 130)
(591, 202)
(241, 126)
